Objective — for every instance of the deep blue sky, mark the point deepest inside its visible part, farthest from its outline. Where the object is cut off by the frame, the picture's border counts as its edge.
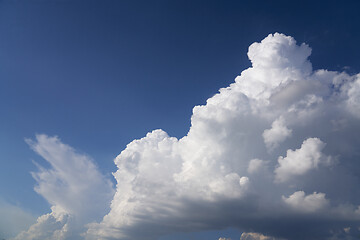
(101, 73)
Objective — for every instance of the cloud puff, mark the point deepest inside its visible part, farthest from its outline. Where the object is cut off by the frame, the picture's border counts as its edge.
(54, 225)
(353, 94)
(276, 134)
(310, 203)
(256, 165)
(237, 166)
(256, 236)
(77, 191)
(302, 160)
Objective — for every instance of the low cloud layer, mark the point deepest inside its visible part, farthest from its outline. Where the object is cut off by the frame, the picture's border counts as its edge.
(276, 153)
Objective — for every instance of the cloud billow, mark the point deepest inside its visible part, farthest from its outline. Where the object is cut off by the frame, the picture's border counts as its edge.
(273, 153)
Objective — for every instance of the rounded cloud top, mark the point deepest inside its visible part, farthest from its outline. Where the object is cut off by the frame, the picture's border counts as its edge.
(279, 51)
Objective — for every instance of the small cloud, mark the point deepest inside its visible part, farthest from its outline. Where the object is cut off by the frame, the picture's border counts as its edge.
(302, 160)
(256, 165)
(276, 134)
(347, 229)
(306, 203)
(256, 236)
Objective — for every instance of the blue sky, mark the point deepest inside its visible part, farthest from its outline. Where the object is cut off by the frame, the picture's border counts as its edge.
(99, 74)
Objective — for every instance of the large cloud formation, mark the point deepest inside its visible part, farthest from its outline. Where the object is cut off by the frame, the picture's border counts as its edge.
(276, 152)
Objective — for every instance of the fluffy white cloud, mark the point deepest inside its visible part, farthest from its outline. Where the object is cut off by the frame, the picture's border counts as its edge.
(229, 170)
(256, 165)
(256, 236)
(302, 160)
(161, 179)
(226, 171)
(353, 94)
(276, 61)
(75, 188)
(276, 134)
(54, 225)
(310, 203)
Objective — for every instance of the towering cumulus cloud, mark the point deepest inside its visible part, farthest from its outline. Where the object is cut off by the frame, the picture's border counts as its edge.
(275, 154)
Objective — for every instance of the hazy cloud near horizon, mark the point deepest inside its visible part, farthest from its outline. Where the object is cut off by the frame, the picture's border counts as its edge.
(276, 152)
(15, 220)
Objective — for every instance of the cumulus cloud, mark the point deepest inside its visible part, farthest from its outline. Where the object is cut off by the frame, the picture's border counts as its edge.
(276, 134)
(54, 225)
(252, 152)
(353, 93)
(256, 165)
(302, 160)
(210, 177)
(310, 203)
(256, 236)
(77, 191)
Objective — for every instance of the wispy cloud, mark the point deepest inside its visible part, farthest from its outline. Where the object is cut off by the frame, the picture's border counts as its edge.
(77, 191)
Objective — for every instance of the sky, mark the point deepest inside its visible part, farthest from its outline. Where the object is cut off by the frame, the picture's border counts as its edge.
(85, 87)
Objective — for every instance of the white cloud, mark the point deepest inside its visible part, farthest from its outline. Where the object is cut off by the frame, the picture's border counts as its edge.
(353, 92)
(310, 203)
(256, 165)
(302, 160)
(75, 188)
(276, 61)
(276, 134)
(256, 236)
(221, 174)
(73, 182)
(54, 225)
(207, 179)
